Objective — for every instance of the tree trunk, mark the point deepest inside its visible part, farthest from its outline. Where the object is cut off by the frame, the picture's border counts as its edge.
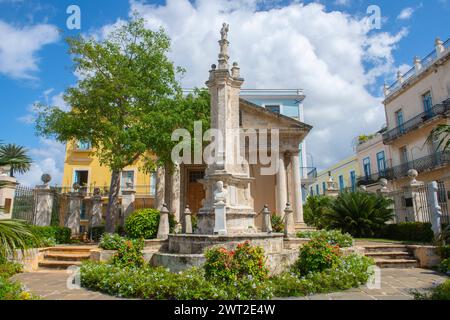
(113, 201)
(11, 172)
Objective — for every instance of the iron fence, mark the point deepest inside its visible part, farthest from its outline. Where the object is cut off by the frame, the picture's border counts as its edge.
(24, 204)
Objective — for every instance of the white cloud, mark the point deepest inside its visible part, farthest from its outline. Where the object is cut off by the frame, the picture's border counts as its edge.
(405, 14)
(56, 101)
(19, 46)
(297, 46)
(47, 158)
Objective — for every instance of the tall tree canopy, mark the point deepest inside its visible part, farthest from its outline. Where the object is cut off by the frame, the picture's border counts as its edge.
(127, 102)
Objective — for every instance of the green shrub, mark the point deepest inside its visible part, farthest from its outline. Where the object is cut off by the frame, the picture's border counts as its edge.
(351, 272)
(440, 292)
(129, 254)
(52, 235)
(10, 290)
(333, 237)
(8, 269)
(444, 266)
(228, 266)
(144, 224)
(111, 241)
(277, 223)
(408, 231)
(315, 211)
(316, 256)
(97, 233)
(360, 214)
(444, 251)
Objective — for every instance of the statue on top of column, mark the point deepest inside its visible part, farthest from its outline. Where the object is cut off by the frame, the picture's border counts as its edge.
(224, 31)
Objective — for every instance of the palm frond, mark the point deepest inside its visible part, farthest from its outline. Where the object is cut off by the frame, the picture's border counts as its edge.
(16, 235)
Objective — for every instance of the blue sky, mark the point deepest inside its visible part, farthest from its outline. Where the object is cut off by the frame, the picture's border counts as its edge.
(36, 66)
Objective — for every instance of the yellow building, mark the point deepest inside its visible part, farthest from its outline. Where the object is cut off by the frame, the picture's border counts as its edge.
(80, 166)
(344, 174)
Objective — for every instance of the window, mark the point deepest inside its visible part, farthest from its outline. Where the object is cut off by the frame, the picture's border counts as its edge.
(403, 155)
(81, 177)
(400, 120)
(273, 108)
(366, 167)
(353, 180)
(324, 187)
(127, 179)
(427, 103)
(341, 183)
(83, 145)
(381, 163)
(153, 184)
(317, 189)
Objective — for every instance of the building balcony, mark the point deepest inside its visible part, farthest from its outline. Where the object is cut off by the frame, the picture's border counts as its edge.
(308, 175)
(434, 113)
(374, 178)
(431, 162)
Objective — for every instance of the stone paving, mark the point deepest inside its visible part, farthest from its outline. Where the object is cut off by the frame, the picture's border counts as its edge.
(396, 284)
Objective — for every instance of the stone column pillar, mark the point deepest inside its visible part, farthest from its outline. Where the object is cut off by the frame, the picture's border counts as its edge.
(436, 211)
(7, 193)
(160, 187)
(128, 198)
(281, 186)
(96, 207)
(73, 214)
(297, 188)
(44, 206)
(175, 193)
(188, 221)
(289, 224)
(164, 227)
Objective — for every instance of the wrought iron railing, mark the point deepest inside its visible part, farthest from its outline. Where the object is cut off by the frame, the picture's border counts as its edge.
(432, 161)
(414, 123)
(373, 178)
(308, 173)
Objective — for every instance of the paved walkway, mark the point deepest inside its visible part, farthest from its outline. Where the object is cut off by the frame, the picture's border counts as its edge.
(52, 285)
(396, 284)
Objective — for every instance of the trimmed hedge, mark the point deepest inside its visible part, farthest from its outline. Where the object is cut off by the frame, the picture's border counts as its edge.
(407, 231)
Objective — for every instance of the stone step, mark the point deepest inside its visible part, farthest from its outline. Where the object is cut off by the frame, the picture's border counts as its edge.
(397, 263)
(386, 248)
(67, 256)
(52, 264)
(390, 255)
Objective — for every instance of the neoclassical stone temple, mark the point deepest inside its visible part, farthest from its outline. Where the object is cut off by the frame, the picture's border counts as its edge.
(248, 190)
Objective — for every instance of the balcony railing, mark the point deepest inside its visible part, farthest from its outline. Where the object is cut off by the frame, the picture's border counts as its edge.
(425, 62)
(308, 173)
(417, 121)
(432, 161)
(373, 178)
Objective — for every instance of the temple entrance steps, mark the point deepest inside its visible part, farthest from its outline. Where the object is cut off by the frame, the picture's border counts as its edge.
(64, 257)
(392, 256)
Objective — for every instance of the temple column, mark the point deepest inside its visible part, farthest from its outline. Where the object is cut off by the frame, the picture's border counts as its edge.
(297, 187)
(281, 186)
(175, 193)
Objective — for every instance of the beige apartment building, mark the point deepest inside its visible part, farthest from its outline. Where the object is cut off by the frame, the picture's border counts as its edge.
(416, 104)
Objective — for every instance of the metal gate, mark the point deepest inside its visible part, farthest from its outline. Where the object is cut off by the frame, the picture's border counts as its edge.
(24, 204)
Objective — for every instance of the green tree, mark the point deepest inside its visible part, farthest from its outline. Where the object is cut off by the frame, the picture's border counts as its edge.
(361, 214)
(127, 103)
(315, 210)
(16, 157)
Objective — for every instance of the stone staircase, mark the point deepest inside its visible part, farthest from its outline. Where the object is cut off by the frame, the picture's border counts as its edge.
(64, 257)
(391, 256)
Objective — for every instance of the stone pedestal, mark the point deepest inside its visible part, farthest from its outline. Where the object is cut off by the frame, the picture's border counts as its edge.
(128, 198)
(44, 206)
(164, 227)
(220, 219)
(289, 224)
(7, 193)
(73, 214)
(175, 191)
(188, 221)
(97, 210)
(267, 220)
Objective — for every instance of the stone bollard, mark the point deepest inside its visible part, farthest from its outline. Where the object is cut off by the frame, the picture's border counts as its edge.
(289, 224)
(44, 203)
(436, 211)
(97, 212)
(163, 228)
(188, 221)
(267, 222)
(73, 214)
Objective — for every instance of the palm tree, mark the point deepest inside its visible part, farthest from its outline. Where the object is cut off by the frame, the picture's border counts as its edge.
(16, 235)
(441, 133)
(16, 157)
